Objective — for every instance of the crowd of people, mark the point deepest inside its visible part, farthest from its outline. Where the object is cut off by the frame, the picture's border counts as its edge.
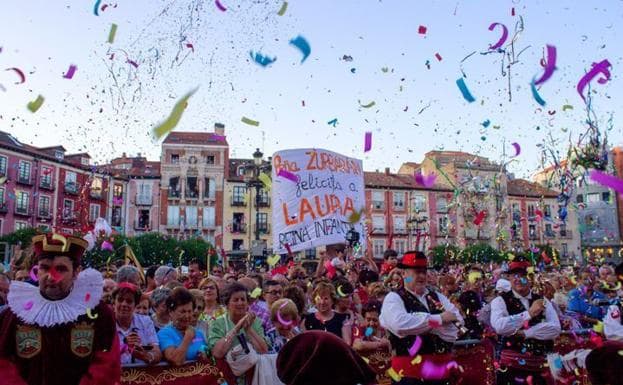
(352, 320)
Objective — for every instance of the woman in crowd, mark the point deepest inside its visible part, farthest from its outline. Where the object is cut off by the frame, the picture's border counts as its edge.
(236, 320)
(161, 317)
(325, 318)
(179, 340)
(285, 318)
(198, 311)
(137, 335)
(144, 304)
(211, 298)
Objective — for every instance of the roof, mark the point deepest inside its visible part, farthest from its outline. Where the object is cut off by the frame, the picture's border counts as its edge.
(524, 188)
(80, 154)
(204, 138)
(411, 164)
(396, 181)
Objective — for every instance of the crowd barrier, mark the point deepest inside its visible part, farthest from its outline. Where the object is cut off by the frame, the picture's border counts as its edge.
(475, 356)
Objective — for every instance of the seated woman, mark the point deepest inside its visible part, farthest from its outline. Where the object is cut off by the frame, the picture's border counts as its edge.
(236, 320)
(179, 340)
(137, 335)
(285, 318)
(213, 308)
(325, 318)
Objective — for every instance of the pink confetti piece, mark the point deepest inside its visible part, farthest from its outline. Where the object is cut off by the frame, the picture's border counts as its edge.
(422, 30)
(425, 180)
(434, 323)
(502, 38)
(220, 6)
(288, 175)
(133, 63)
(417, 344)
(607, 180)
(550, 65)
(87, 297)
(279, 317)
(529, 380)
(192, 47)
(480, 217)
(33, 273)
(517, 148)
(20, 73)
(598, 68)
(438, 56)
(432, 371)
(367, 146)
(513, 11)
(28, 305)
(70, 72)
(218, 138)
(107, 246)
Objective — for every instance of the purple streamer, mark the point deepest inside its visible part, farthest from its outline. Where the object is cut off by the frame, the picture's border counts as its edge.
(288, 175)
(502, 39)
(607, 180)
(551, 65)
(598, 68)
(70, 72)
(368, 142)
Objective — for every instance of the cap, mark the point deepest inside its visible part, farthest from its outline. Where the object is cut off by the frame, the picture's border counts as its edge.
(55, 244)
(414, 260)
(519, 265)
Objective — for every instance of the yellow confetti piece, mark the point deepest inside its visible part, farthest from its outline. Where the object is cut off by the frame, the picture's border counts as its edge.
(474, 276)
(250, 122)
(365, 359)
(372, 103)
(340, 292)
(577, 372)
(272, 261)
(355, 216)
(256, 292)
(2, 180)
(511, 257)
(36, 104)
(393, 375)
(112, 33)
(599, 327)
(416, 360)
(567, 107)
(282, 11)
(174, 118)
(91, 315)
(530, 270)
(268, 183)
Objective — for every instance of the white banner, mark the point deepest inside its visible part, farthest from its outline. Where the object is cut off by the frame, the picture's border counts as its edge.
(315, 192)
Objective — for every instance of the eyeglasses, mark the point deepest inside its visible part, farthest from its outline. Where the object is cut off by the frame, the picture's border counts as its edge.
(275, 292)
(207, 288)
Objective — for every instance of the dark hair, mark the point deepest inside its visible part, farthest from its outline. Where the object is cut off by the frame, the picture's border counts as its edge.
(390, 253)
(271, 282)
(344, 286)
(370, 306)
(297, 295)
(75, 262)
(603, 363)
(123, 290)
(151, 271)
(367, 276)
(195, 261)
(257, 278)
(232, 289)
(180, 296)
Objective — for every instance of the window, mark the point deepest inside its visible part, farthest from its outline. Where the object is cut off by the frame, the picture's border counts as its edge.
(400, 226)
(43, 228)
(117, 191)
(3, 162)
(209, 215)
(19, 225)
(262, 223)
(530, 211)
(378, 200)
(59, 154)
(548, 230)
(210, 159)
(378, 248)
(84, 161)
(400, 246)
(116, 217)
(565, 249)
(143, 196)
(579, 198)
(192, 188)
(419, 203)
(46, 177)
(442, 225)
(68, 209)
(175, 158)
(237, 224)
(238, 196)
(264, 199)
(563, 230)
(499, 203)
(442, 205)
(399, 200)
(70, 182)
(209, 188)
(2, 202)
(23, 174)
(173, 216)
(593, 198)
(94, 212)
(191, 216)
(605, 196)
(378, 224)
(310, 254)
(44, 206)
(237, 244)
(174, 187)
(547, 211)
(532, 231)
(96, 188)
(22, 201)
(143, 220)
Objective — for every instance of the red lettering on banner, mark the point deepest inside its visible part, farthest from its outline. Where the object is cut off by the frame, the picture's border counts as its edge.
(332, 204)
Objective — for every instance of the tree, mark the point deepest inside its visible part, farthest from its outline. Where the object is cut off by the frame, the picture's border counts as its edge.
(21, 237)
(445, 254)
(481, 253)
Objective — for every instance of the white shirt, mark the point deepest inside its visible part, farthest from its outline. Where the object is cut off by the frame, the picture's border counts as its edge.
(395, 318)
(506, 325)
(612, 324)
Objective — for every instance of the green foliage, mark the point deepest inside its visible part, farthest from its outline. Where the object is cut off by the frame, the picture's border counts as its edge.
(481, 253)
(23, 237)
(445, 254)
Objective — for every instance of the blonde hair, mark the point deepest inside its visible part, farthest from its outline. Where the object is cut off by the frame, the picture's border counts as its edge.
(286, 307)
(324, 288)
(198, 296)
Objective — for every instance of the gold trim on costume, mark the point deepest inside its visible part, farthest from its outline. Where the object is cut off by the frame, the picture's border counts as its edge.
(66, 243)
(169, 373)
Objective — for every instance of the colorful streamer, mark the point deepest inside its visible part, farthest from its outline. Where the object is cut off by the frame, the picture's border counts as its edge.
(175, 116)
(220, 6)
(96, 8)
(282, 11)
(417, 344)
(261, 59)
(550, 67)
(264, 178)
(460, 82)
(598, 68)
(607, 180)
(250, 122)
(20, 73)
(112, 33)
(502, 38)
(36, 104)
(288, 175)
(425, 180)
(303, 45)
(70, 72)
(535, 94)
(367, 146)
(517, 148)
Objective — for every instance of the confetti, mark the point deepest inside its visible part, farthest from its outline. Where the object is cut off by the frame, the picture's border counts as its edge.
(394, 375)
(367, 145)
(36, 104)
(70, 72)
(567, 107)
(173, 119)
(96, 8)
(256, 292)
(421, 30)
(264, 178)
(408, 279)
(372, 103)
(20, 73)
(417, 344)
(272, 261)
(417, 360)
(535, 94)
(517, 148)
(332, 122)
(87, 297)
(262, 60)
(480, 217)
(33, 273)
(438, 56)
(502, 38)
(28, 305)
(474, 276)
(486, 123)
(220, 6)
(112, 33)
(91, 315)
(431, 371)
(302, 44)
(133, 63)
(425, 180)
(283, 9)
(250, 122)
(280, 318)
(464, 90)
(551, 65)
(598, 68)
(607, 180)
(192, 47)
(369, 331)
(340, 292)
(288, 175)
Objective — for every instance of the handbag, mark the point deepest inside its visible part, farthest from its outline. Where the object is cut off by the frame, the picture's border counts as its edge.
(239, 361)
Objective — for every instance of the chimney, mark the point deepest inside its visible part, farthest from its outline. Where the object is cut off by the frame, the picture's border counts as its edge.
(219, 129)
(386, 170)
(138, 154)
(123, 155)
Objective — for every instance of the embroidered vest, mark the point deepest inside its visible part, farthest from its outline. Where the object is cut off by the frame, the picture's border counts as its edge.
(431, 343)
(520, 344)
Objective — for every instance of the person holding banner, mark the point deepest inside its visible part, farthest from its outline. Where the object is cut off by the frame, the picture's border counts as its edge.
(423, 325)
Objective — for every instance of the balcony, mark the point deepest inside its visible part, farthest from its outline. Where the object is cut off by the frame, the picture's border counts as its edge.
(71, 188)
(238, 201)
(22, 210)
(401, 230)
(191, 194)
(566, 234)
(44, 213)
(264, 228)
(549, 234)
(174, 193)
(143, 200)
(263, 202)
(3, 207)
(70, 220)
(96, 194)
(46, 185)
(142, 225)
(379, 230)
(238, 228)
(173, 224)
(24, 181)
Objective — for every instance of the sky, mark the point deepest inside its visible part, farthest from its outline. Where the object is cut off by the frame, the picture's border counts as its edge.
(110, 106)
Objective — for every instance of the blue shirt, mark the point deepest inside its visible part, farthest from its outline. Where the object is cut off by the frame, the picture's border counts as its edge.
(581, 304)
(169, 336)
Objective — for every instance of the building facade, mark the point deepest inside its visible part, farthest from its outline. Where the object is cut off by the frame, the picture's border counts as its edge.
(193, 166)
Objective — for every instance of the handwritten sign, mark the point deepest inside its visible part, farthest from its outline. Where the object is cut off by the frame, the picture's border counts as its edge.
(315, 210)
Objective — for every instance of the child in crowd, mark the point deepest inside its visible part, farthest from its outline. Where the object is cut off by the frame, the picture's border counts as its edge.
(285, 318)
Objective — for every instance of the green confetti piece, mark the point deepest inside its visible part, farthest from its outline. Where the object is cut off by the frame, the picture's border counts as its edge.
(36, 104)
(250, 122)
(372, 103)
(112, 33)
(173, 119)
(282, 11)
(266, 180)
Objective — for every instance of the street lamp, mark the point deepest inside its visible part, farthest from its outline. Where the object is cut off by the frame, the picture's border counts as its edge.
(419, 231)
(258, 166)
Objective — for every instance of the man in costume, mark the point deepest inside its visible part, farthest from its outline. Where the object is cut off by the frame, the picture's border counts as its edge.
(419, 316)
(60, 332)
(527, 325)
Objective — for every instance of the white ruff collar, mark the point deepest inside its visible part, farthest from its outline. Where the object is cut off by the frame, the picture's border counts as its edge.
(30, 306)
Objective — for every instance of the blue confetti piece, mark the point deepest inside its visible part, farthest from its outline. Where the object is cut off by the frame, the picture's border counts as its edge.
(369, 331)
(96, 7)
(408, 279)
(523, 281)
(332, 122)
(558, 363)
(465, 91)
(353, 70)
(486, 123)
(535, 94)
(521, 361)
(302, 44)
(261, 59)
